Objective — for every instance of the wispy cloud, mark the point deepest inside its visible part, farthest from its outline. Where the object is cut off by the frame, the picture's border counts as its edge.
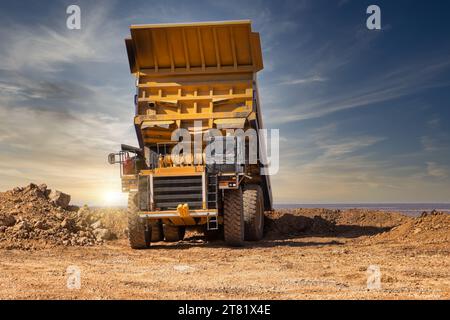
(304, 80)
(46, 49)
(437, 170)
(387, 87)
(434, 123)
(436, 140)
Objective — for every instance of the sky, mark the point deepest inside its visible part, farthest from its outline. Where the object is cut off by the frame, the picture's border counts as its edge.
(363, 114)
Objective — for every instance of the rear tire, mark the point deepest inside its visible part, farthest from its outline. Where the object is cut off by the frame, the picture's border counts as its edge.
(253, 212)
(138, 237)
(173, 233)
(234, 217)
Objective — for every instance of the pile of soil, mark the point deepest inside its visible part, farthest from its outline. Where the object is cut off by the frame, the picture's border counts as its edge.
(326, 222)
(431, 227)
(359, 217)
(35, 217)
(285, 224)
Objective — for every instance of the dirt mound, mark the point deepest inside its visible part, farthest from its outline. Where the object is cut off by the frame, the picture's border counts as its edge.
(327, 222)
(433, 227)
(366, 218)
(36, 217)
(286, 224)
(358, 217)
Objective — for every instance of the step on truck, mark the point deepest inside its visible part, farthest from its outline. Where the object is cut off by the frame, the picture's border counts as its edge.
(193, 79)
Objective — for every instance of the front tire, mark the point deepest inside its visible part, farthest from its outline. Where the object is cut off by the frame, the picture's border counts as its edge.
(234, 217)
(253, 213)
(138, 236)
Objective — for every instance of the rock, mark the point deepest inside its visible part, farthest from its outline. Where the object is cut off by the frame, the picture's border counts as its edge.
(84, 214)
(81, 225)
(83, 241)
(7, 221)
(59, 198)
(83, 210)
(36, 193)
(44, 190)
(22, 226)
(30, 187)
(40, 225)
(73, 208)
(68, 224)
(183, 268)
(97, 225)
(17, 189)
(102, 234)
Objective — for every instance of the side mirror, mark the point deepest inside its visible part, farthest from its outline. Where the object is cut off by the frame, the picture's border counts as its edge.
(112, 158)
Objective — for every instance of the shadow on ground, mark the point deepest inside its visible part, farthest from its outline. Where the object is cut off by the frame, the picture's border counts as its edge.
(286, 231)
(291, 226)
(265, 243)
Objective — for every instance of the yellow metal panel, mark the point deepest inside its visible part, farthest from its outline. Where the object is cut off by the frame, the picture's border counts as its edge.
(181, 98)
(175, 171)
(149, 124)
(213, 47)
(244, 113)
(230, 123)
(190, 24)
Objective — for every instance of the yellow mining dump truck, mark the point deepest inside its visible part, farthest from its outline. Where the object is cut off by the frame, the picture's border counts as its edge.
(194, 78)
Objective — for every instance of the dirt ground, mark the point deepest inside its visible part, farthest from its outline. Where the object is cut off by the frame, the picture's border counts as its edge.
(296, 267)
(305, 254)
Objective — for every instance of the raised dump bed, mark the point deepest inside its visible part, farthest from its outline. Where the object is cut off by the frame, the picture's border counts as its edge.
(194, 48)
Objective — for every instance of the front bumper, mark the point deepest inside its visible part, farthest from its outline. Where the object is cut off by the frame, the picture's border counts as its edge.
(177, 214)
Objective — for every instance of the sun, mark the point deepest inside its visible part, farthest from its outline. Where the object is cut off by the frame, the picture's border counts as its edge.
(113, 198)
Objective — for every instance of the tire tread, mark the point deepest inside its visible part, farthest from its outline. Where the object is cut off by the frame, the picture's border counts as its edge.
(233, 218)
(136, 229)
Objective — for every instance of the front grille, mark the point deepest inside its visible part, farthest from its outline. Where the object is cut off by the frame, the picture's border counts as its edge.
(169, 192)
